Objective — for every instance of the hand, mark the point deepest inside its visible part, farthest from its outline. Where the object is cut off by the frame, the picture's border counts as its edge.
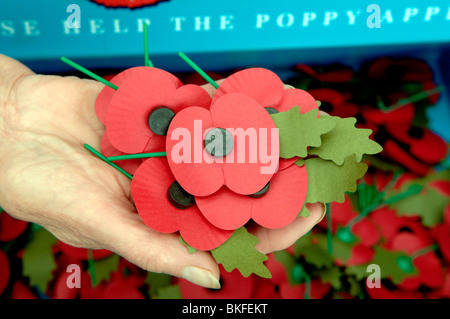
(49, 178)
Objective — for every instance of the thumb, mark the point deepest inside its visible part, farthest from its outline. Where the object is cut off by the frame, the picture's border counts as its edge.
(161, 253)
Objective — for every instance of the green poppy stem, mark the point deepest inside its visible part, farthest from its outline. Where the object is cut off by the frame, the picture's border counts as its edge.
(88, 73)
(102, 157)
(147, 61)
(198, 70)
(133, 156)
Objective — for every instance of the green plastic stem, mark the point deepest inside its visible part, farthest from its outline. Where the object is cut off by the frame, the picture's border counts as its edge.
(148, 62)
(88, 73)
(424, 250)
(91, 267)
(329, 231)
(102, 157)
(198, 70)
(133, 156)
(417, 97)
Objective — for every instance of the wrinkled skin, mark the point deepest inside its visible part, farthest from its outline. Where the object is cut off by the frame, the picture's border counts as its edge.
(47, 177)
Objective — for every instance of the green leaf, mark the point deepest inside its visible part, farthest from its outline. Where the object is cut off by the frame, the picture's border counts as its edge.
(239, 252)
(331, 275)
(313, 253)
(299, 131)
(168, 292)
(38, 259)
(344, 140)
(103, 268)
(387, 261)
(288, 262)
(428, 204)
(341, 251)
(304, 212)
(328, 182)
(190, 249)
(156, 282)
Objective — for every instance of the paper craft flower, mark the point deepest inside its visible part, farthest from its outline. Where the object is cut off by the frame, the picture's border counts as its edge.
(414, 147)
(155, 204)
(4, 274)
(10, 228)
(146, 97)
(127, 3)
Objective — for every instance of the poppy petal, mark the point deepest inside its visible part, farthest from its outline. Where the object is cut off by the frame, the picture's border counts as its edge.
(297, 97)
(284, 199)
(195, 170)
(255, 135)
(107, 149)
(105, 96)
(127, 119)
(260, 84)
(149, 190)
(226, 209)
(190, 95)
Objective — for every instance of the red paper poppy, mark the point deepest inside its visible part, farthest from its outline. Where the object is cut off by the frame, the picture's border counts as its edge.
(405, 69)
(149, 189)
(384, 293)
(82, 253)
(318, 290)
(334, 103)
(138, 95)
(267, 89)
(127, 3)
(21, 291)
(104, 97)
(4, 273)
(428, 264)
(442, 234)
(270, 288)
(233, 286)
(129, 165)
(276, 209)
(241, 170)
(10, 228)
(331, 74)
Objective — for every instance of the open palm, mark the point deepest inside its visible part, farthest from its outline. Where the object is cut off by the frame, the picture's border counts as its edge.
(47, 177)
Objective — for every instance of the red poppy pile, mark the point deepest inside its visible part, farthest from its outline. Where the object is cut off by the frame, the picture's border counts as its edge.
(390, 96)
(206, 194)
(397, 217)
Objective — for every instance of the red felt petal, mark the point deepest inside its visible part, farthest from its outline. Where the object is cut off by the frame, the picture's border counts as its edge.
(127, 118)
(260, 84)
(196, 172)
(226, 209)
(443, 240)
(190, 95)
(297, 97)
(284, 200)
(149, 190)
(233, 286)
(247, 169)
(108, 150)
(10, 228)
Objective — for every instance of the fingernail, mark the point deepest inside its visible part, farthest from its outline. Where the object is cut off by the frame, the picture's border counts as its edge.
(201, 277)
(324, 208)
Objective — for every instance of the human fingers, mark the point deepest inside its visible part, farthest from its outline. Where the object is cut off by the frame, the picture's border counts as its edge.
(278, 239)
